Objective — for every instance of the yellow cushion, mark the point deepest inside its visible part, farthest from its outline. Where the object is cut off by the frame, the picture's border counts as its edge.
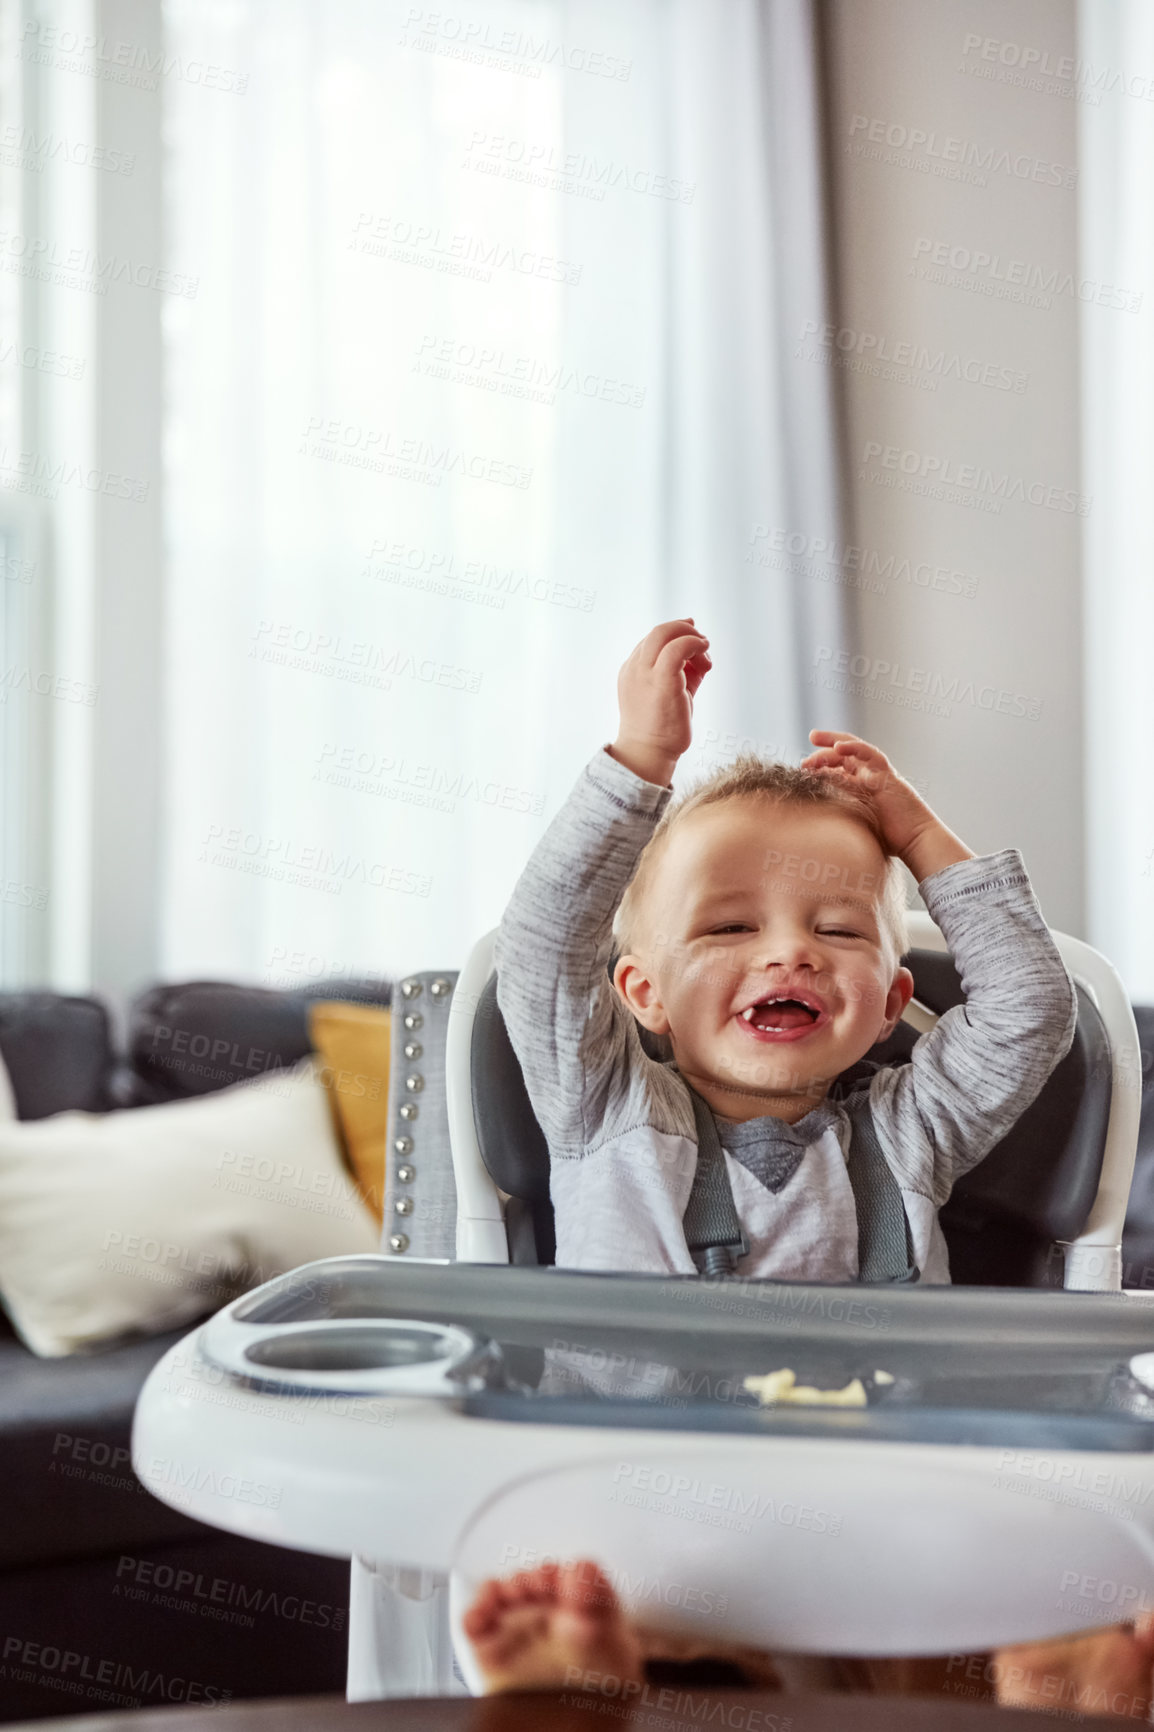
(352, 1041)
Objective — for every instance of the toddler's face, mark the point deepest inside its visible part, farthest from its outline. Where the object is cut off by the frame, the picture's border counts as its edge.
(761, 955)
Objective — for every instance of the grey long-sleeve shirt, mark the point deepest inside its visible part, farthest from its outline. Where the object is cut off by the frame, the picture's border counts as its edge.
(620, 1126)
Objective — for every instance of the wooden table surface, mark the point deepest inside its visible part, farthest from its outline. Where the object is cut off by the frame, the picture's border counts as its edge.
(665, 1711)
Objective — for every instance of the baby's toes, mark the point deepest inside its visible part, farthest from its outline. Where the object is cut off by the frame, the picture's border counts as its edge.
(484, 1613)
(585, 1588)
(1144, 1635)
(517, 1634)
(533, 1587)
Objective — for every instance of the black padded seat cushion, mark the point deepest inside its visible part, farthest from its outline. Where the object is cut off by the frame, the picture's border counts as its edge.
(203, 1035)
(57, 1052)
(512, 1143)
(1002, 1220)
(1138, 1237)
(65, 1426)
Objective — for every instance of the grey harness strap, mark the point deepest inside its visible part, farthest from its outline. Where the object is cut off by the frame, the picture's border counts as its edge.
(713, 1232)
(885, 1247)
(712, 1229)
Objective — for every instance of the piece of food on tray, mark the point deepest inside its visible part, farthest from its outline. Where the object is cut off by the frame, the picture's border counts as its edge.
(782, 1386)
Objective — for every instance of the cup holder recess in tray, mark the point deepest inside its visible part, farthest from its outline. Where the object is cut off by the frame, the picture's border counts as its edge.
(341, 1348)
(296, 1335)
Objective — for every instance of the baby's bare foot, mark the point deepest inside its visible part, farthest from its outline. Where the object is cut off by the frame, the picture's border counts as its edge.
(1104, 1672)
(537, 1629)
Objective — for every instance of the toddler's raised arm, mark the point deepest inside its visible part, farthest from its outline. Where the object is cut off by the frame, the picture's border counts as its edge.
(568, 1027)
(985, 1061)
(576, 1041)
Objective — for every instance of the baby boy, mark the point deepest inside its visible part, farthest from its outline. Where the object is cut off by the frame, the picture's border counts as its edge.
(757, 926)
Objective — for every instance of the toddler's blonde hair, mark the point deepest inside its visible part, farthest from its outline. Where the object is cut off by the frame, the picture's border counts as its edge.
(752, 777)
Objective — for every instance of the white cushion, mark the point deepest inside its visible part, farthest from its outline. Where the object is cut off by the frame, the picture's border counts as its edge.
(118, 1223)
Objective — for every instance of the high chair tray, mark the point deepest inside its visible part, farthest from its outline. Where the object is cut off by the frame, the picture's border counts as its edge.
(974, 1328)
(1009, 1367)
(1002, 1427)
(404, 1413)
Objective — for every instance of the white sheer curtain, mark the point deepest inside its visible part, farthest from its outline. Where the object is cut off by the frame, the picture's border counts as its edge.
(1116, 48)
(486, 367)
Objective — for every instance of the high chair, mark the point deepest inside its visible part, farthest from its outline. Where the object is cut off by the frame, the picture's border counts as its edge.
(430, 1417)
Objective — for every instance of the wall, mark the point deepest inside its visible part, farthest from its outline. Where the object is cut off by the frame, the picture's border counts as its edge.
(965, 469)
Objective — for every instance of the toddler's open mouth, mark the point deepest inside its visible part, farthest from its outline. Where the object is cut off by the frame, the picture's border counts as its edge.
(780, 1017)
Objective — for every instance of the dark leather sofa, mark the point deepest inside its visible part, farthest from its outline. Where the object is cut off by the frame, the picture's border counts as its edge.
(108, 1598)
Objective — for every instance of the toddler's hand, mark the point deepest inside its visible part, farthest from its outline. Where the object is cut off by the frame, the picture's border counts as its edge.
(655, 692)
(912, 830)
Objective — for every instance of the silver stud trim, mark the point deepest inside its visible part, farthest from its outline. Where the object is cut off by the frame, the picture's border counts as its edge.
(411, 988)
(403, 1145)
(398, 1241)
(409, 1110)
(404, 1205)
(413, 1019)
(415, 1083)
(440, 988)
(413, 1049)
(406, 1174)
